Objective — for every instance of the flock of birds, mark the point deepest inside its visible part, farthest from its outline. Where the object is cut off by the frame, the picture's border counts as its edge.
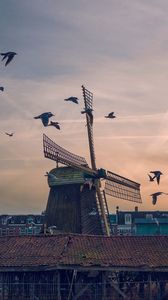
(8, 56)
(156, 175)
(45, 117)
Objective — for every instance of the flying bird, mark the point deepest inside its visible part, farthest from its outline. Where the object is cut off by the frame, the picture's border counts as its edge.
(1, 88)
(88, 111)
(72, 99)
(157, 175)
(155, 195)
(45, 117)
(9, 56)
(150, 178)
(55, 124)
(9, 134)
(110, 115)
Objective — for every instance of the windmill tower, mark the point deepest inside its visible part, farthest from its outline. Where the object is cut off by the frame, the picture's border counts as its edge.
(76, 202)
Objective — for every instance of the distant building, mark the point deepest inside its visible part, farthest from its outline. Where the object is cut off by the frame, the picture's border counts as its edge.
(139, 222)
(21, 224)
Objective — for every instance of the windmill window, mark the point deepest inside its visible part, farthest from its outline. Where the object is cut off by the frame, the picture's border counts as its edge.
(128, 219)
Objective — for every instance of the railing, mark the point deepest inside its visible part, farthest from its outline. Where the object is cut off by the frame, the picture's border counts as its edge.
(139, 290)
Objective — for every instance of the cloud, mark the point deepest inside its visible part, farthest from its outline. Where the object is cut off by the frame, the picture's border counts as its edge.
(118, 50)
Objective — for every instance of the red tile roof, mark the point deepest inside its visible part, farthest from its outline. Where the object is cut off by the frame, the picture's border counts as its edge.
(62, 251)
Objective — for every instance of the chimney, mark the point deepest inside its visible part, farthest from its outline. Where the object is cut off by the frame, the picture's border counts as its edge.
(117, 209)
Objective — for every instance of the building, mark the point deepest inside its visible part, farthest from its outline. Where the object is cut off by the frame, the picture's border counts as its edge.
(81, 267)
(139, 222)
(21, 224)
(72, 205)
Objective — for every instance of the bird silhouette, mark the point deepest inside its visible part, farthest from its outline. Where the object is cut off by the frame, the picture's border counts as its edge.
(88, 111)
(55, 124)
(9, 134)
(156, 175)
(45, 117)
(72, 99)
(150, 178)
(1, 88)
(9, 56)
(110, 115)
(155, 195)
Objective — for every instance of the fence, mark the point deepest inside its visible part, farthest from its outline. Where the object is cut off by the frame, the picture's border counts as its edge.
(155, 290)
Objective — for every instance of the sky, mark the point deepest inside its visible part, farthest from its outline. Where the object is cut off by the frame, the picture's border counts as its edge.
(118, 49)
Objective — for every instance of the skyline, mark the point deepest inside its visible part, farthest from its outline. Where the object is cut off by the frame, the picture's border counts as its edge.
(118, 51)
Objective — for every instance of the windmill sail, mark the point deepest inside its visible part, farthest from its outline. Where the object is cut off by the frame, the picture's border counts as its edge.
(88, 98)
(88, 102)
(123, 188)
(57, 153)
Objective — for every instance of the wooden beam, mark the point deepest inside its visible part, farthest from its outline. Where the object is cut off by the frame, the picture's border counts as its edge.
(118, 290)
(72, 281)
(58, 286)
(103, 285)
(81, 291)
(45, 268)
(150, 286)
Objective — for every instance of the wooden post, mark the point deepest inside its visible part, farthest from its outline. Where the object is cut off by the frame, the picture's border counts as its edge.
(104, 286)
(150, 286)
(58, 286)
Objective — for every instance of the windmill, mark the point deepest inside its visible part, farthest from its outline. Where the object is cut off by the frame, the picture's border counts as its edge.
(115, 185)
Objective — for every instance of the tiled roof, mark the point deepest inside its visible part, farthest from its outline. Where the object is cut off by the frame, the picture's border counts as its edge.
(62, 251)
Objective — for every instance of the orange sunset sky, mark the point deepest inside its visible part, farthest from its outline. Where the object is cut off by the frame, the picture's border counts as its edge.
(118, 49)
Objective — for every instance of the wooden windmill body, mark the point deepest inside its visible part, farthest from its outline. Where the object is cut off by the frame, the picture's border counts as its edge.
(72, 203)
(76, 202)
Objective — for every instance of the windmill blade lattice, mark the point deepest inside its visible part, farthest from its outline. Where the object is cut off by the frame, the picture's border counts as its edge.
(88, 102)
(123, 188)
(88, 98)
(59, 154)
